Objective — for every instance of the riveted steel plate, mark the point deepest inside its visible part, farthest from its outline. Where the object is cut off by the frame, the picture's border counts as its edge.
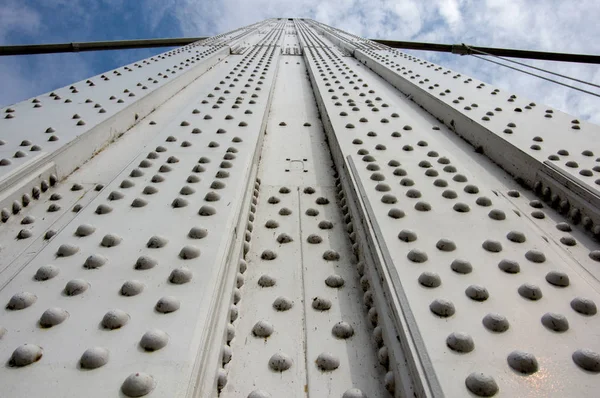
(234, 227)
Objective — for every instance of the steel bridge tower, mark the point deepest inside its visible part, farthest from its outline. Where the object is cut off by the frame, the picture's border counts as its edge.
(288, 210)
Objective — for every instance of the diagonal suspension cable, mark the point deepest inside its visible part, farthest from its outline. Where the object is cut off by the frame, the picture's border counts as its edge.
(536, 75)
(533, 67)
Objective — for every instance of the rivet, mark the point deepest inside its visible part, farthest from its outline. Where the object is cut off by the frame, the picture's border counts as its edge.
(144, 263)
(584, 306)
(331, 255)
(509, 266)
(412, 193)
(66, 250)
(555, 322)
(94, 358)
(481, 385)
(230, 332)
(407, 182)
(268, 255)
(396, 213)
(52, 317)
(259, 394)
(154, 340)
(460, 342)
(21, 301)
(530, 291)
(535, 256)
(138, 384)
(495, 323)
(515, 236)
(422, 206)
(131, 288)
(226, 355)
(115, 319)
(522, 362)
(46, 272)
(111, 240)
(207, 211)
(138, 202)
(390, 382)
(180, 275)
(197, 233)
(321, 304)
(282, 303)
(354, 393)
(212, 197)
(24, 234)
(477, 293)
(492, 246)
(266, 281)
(26, 354)
(327, 362)
(94, 261)
(342, 330)
(272, 224)
(587, 360)
(262, 329)
(53, 207)
(595, 255)
(85, 230)
(312, 212)
(136, 173)
(497, 214)
(284, 238)
(189, 252)
(445, 245)
(430, 279)
(407, 235)
(167, 304)
(28, 220)
(417, 256)
(103, 209)
(156, 242)
(443, 308)
(557, 278)
(334, 281)
(280, 362)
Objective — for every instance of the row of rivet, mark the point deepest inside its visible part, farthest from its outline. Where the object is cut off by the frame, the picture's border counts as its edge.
(566, 208)
(368, 298)
(226, 352)
(472, 380)
(137, 384)
(26, 198)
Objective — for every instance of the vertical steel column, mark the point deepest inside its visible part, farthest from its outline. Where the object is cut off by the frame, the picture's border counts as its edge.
(475, 292)
(543, 148)
(134, 280)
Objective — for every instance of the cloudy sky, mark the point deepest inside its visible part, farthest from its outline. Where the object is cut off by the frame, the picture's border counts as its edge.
(548, 25)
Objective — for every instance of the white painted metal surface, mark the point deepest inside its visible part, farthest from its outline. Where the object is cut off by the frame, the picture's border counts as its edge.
(442, 217)
(324, 334)
(239, 228)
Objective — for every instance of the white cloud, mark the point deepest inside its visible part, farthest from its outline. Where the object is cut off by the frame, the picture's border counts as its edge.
(450, 11)
(16, 17)
(550, 25)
